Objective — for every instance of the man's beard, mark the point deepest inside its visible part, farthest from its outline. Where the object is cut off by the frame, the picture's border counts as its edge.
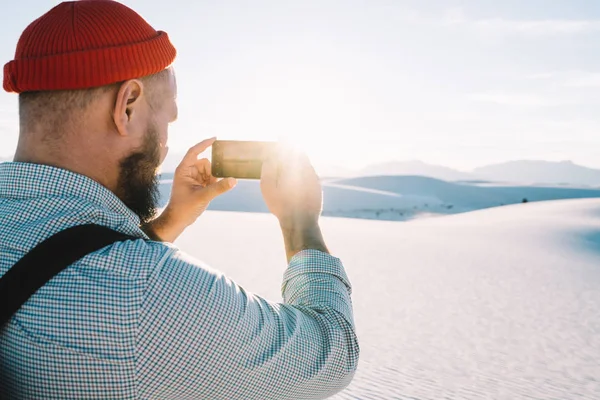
(138, 182)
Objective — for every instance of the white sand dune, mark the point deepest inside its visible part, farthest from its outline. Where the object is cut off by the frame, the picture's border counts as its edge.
(501, 303)
(398, 198)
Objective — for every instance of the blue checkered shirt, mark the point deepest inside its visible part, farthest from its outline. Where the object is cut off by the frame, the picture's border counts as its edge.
(142, 320)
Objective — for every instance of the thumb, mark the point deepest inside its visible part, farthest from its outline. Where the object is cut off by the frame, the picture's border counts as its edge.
(270, 170)
(220, 187)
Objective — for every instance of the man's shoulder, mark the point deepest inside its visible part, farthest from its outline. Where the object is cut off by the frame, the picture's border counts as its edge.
(141, 258)
(132, 258)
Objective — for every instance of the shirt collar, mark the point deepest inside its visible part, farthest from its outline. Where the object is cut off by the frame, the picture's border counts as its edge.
(23, 181)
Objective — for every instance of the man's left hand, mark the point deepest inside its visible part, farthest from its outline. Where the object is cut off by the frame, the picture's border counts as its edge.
(193, 189)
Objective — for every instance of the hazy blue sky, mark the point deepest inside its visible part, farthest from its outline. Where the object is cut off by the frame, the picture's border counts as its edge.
(456, 82)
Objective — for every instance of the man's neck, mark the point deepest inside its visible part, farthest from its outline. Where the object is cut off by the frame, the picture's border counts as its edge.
(89, 165)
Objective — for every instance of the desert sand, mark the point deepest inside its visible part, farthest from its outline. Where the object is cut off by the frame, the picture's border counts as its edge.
(500, 303)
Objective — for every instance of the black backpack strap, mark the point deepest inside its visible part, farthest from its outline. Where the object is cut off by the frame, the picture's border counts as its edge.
(49, 258)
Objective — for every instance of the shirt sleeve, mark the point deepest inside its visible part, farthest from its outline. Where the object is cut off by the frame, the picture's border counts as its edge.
(202, 336)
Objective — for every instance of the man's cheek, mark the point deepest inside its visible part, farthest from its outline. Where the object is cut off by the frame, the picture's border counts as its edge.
(164, 138)
(164, 150)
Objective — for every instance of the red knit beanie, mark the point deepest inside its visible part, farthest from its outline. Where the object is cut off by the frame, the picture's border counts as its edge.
(84, 44)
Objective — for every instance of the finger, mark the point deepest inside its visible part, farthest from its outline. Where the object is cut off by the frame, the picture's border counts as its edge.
(270, 172)
(220, 187)
(204, 167)
(307, 165)
(204, 173)
(285, 152)
(192, 154)
(296, 162)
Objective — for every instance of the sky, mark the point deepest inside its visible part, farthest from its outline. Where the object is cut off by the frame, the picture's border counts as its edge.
(460, 83)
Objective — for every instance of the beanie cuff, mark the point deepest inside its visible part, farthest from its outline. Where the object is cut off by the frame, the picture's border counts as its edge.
(90, 68)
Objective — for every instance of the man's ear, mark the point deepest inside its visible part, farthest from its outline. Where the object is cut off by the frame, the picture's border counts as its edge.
(127, 101)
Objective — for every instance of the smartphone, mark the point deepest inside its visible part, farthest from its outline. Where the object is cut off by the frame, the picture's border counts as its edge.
(240, 159)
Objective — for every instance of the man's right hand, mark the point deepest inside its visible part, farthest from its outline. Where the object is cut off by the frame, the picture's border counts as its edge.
(293, 193)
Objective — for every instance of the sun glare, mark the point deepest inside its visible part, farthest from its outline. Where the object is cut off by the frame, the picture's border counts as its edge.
(307, 108)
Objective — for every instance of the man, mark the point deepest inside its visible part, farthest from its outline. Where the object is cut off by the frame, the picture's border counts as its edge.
(139, 318)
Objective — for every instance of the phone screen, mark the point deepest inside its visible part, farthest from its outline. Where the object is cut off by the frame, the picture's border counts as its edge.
(239, 159)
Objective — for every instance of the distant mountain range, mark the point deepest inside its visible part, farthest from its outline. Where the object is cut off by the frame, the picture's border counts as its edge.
(531, 172)
(520, 172)
(527, 172)
(415, 168)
